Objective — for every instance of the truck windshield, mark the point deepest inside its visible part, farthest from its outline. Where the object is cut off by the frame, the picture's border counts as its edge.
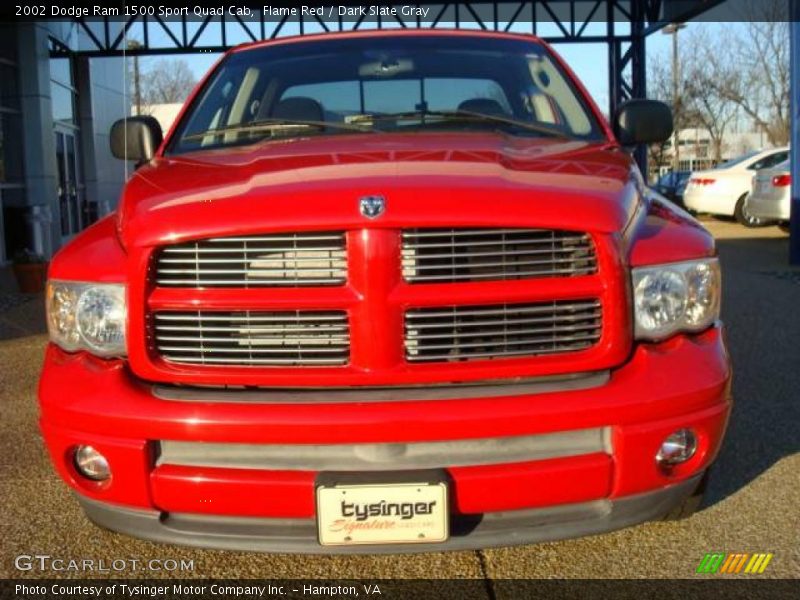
(393, 84)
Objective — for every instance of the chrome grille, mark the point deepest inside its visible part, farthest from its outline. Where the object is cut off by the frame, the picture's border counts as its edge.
(251, 338)
(284, 259)
(458, 333)
(453, 255)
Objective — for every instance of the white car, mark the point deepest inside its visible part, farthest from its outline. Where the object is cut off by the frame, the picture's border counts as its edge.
(723, 190)
(771, 196)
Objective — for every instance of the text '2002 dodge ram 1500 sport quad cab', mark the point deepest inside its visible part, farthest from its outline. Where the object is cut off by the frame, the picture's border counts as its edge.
(380, 292)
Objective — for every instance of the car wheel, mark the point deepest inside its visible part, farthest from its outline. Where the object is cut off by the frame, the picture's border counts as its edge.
(744, 218)
(688, 507)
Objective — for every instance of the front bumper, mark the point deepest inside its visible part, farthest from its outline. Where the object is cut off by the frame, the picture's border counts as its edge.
(299, 535)
(590, 464)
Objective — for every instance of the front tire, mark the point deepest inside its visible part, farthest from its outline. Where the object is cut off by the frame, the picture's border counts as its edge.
(744, 218)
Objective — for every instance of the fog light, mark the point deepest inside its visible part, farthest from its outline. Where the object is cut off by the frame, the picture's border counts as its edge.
(91, 464)
(677, 448)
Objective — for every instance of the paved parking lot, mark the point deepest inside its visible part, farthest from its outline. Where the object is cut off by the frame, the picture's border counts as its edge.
(753, 503)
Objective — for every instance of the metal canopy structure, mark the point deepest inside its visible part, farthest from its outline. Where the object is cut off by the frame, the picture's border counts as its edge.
(622, 25)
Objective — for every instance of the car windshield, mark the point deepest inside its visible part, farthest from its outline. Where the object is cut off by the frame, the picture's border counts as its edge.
(738, 160)
(391, 84)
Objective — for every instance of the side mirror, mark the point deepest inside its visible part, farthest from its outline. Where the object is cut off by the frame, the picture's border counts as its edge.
(643, 122)
(136, 138)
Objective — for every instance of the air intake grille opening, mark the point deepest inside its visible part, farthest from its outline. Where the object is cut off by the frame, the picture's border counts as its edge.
(459, 333)
(251, 338)
(460, 255)
(285, 259)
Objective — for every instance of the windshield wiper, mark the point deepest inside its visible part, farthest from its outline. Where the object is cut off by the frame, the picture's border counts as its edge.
(273, 125)
(467, 114)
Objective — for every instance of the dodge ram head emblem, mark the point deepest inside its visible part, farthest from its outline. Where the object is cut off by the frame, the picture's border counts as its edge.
(372, 206)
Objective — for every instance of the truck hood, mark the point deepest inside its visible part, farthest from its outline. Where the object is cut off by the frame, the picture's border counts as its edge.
(427, 180)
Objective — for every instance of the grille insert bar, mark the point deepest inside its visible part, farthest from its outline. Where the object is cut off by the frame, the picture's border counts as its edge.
(459, 255)
(386, 456)
(295, 259)
(249, 338)
(460, 333)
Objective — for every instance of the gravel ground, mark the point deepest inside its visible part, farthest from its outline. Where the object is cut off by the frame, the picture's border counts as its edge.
(753, 504)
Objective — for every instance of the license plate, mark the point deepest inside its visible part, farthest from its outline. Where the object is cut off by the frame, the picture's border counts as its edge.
(396, 513)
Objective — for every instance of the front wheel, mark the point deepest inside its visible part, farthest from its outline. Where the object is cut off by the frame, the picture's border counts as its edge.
(745, 218)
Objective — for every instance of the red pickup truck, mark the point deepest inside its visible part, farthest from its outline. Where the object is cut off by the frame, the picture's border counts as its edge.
(382, 292)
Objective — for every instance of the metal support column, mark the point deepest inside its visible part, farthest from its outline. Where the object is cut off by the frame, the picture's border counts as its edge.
(614, 60)
(794, 92)
(634, 57)
(639, 71)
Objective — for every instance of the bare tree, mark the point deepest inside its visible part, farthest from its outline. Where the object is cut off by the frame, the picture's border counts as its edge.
(751, 69)
(166, 81)
(660, 87)
(717, 82)
(705, 104)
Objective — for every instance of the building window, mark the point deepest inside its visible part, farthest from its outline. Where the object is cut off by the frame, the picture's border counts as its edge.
(10, 118)
(8, 42)
(9, 90)
(10, 154)
(73, 211)
(62, 91)
(12, 190)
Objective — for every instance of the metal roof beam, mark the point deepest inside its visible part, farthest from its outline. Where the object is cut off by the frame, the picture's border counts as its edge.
(570, 17)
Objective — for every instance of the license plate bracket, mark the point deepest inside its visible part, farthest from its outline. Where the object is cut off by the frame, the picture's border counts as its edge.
(382, 508)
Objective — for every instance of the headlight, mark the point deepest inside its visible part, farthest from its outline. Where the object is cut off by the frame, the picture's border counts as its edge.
(675, 297)
(87, 316)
